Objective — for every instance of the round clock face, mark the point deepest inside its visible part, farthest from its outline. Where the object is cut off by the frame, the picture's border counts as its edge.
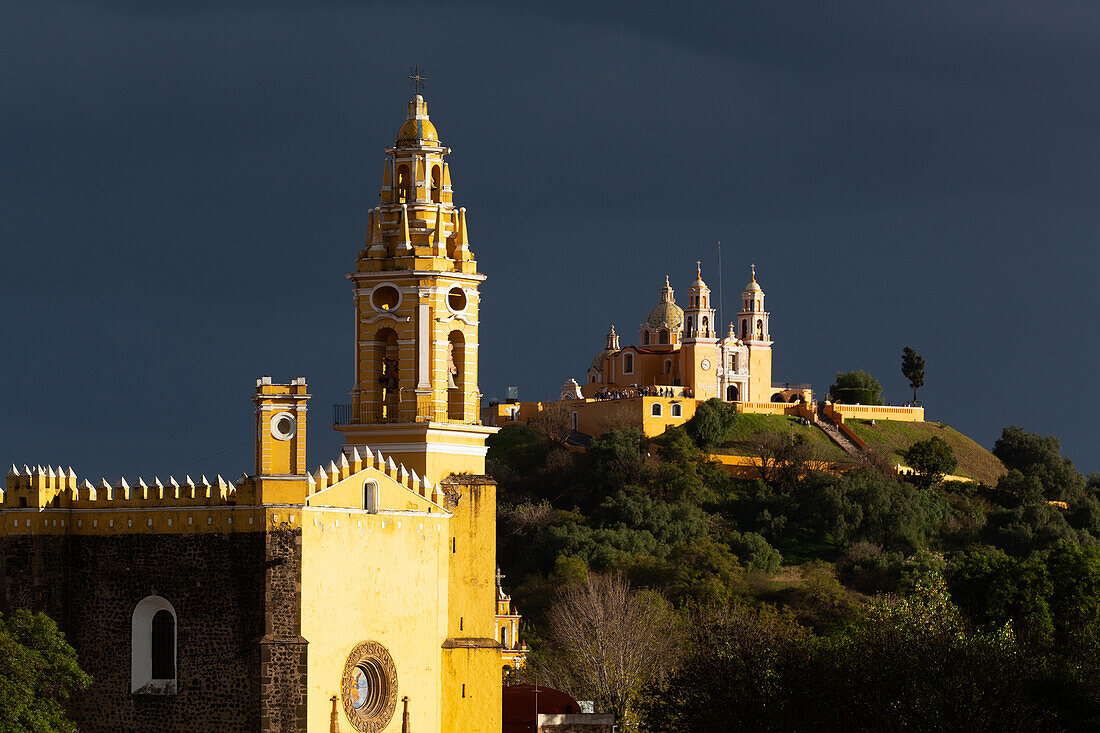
(705, 364)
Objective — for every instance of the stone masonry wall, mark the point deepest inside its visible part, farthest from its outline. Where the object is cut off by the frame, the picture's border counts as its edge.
(283, 667)
(216, 584)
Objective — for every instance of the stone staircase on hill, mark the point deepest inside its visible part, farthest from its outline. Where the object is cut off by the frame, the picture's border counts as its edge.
(837, 436)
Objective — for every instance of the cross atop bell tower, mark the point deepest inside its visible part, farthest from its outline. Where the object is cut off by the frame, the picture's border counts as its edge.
(416, 301)
(416, 79)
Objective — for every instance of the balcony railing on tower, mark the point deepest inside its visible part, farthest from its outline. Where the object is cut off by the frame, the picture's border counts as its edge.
(403, 412)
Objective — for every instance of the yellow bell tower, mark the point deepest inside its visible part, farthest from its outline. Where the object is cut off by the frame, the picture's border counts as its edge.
(416, 394)
(756, 333)
(700, 347)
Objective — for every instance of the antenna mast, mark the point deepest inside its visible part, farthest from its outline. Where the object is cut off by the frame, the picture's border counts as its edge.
(721, 301)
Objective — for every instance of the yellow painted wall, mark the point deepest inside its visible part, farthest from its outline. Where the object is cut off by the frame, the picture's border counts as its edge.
(479, 711)
(760, 373)
(878, 412)
(471, 615)
(380, 577)
(702, 381)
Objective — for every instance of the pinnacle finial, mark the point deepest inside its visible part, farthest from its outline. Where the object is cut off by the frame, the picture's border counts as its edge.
(753, 266)
(667, 284)
(699, 269)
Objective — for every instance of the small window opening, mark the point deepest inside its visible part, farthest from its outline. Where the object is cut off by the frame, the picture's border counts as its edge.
(164, 643)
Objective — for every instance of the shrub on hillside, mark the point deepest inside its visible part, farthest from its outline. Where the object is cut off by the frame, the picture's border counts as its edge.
(856, 388)
(712, 423)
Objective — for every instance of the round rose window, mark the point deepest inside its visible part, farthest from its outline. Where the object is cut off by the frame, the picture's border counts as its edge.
(369, 687)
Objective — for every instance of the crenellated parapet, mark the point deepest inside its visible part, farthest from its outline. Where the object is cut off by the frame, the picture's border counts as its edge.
(50, 488)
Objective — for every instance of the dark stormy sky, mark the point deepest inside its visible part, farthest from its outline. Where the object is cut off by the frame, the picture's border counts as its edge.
(182, 190)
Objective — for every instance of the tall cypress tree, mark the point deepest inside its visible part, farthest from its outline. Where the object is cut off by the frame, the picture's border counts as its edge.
(912, 367)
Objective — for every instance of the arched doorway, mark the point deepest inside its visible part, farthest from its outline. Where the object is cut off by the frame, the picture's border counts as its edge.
(732, 393)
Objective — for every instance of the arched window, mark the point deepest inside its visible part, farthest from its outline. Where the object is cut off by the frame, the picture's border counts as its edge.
(574, 422)
(153, 647)
(504, 637)
(706, 327)
(735, 362)
(404, 184)
(663, 336)
(164, 645)
(689, 326)
(370, 496)
(677, 409)
(645, 338)
(628, 363)
(436, 189)
(744, 329)
(656, 409)
(386, 362)
(456, 377)
(759, 330)
(668, 366)
(777, 397)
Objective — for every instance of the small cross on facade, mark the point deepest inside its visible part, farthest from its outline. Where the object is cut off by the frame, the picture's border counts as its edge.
(500, 576)
(753, 266)
(416, 78)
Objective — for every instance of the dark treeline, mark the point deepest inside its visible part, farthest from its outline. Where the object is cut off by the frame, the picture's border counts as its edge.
(811, 601)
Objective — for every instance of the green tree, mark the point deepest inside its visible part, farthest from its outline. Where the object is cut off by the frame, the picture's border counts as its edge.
(733, 676)
(856, 387)
(932, 459)
(864, 506)
(712, 422)
(912, 368)
(38, 673)
(1040, 459)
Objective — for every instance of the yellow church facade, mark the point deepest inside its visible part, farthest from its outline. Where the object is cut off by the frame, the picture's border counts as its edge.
(357, 596)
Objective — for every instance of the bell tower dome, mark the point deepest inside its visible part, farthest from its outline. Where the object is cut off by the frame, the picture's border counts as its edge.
(416, 285)
(698, 316)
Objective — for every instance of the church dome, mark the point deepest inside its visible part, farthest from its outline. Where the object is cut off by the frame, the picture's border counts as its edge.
(699, 277)
(753, 286)
(665, 315)
(417, 128)
(597, 361)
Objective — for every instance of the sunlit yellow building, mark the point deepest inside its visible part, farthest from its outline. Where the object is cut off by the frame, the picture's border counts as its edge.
(513, 649)
(337, 599)
(682, 358)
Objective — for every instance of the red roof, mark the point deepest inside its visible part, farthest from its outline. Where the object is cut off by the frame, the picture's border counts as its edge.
(519, 706)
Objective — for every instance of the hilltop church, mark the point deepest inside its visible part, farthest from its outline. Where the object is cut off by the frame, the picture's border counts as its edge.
(357, 597)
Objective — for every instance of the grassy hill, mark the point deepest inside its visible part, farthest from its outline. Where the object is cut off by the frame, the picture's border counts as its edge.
(748, 425)
(891, 437)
